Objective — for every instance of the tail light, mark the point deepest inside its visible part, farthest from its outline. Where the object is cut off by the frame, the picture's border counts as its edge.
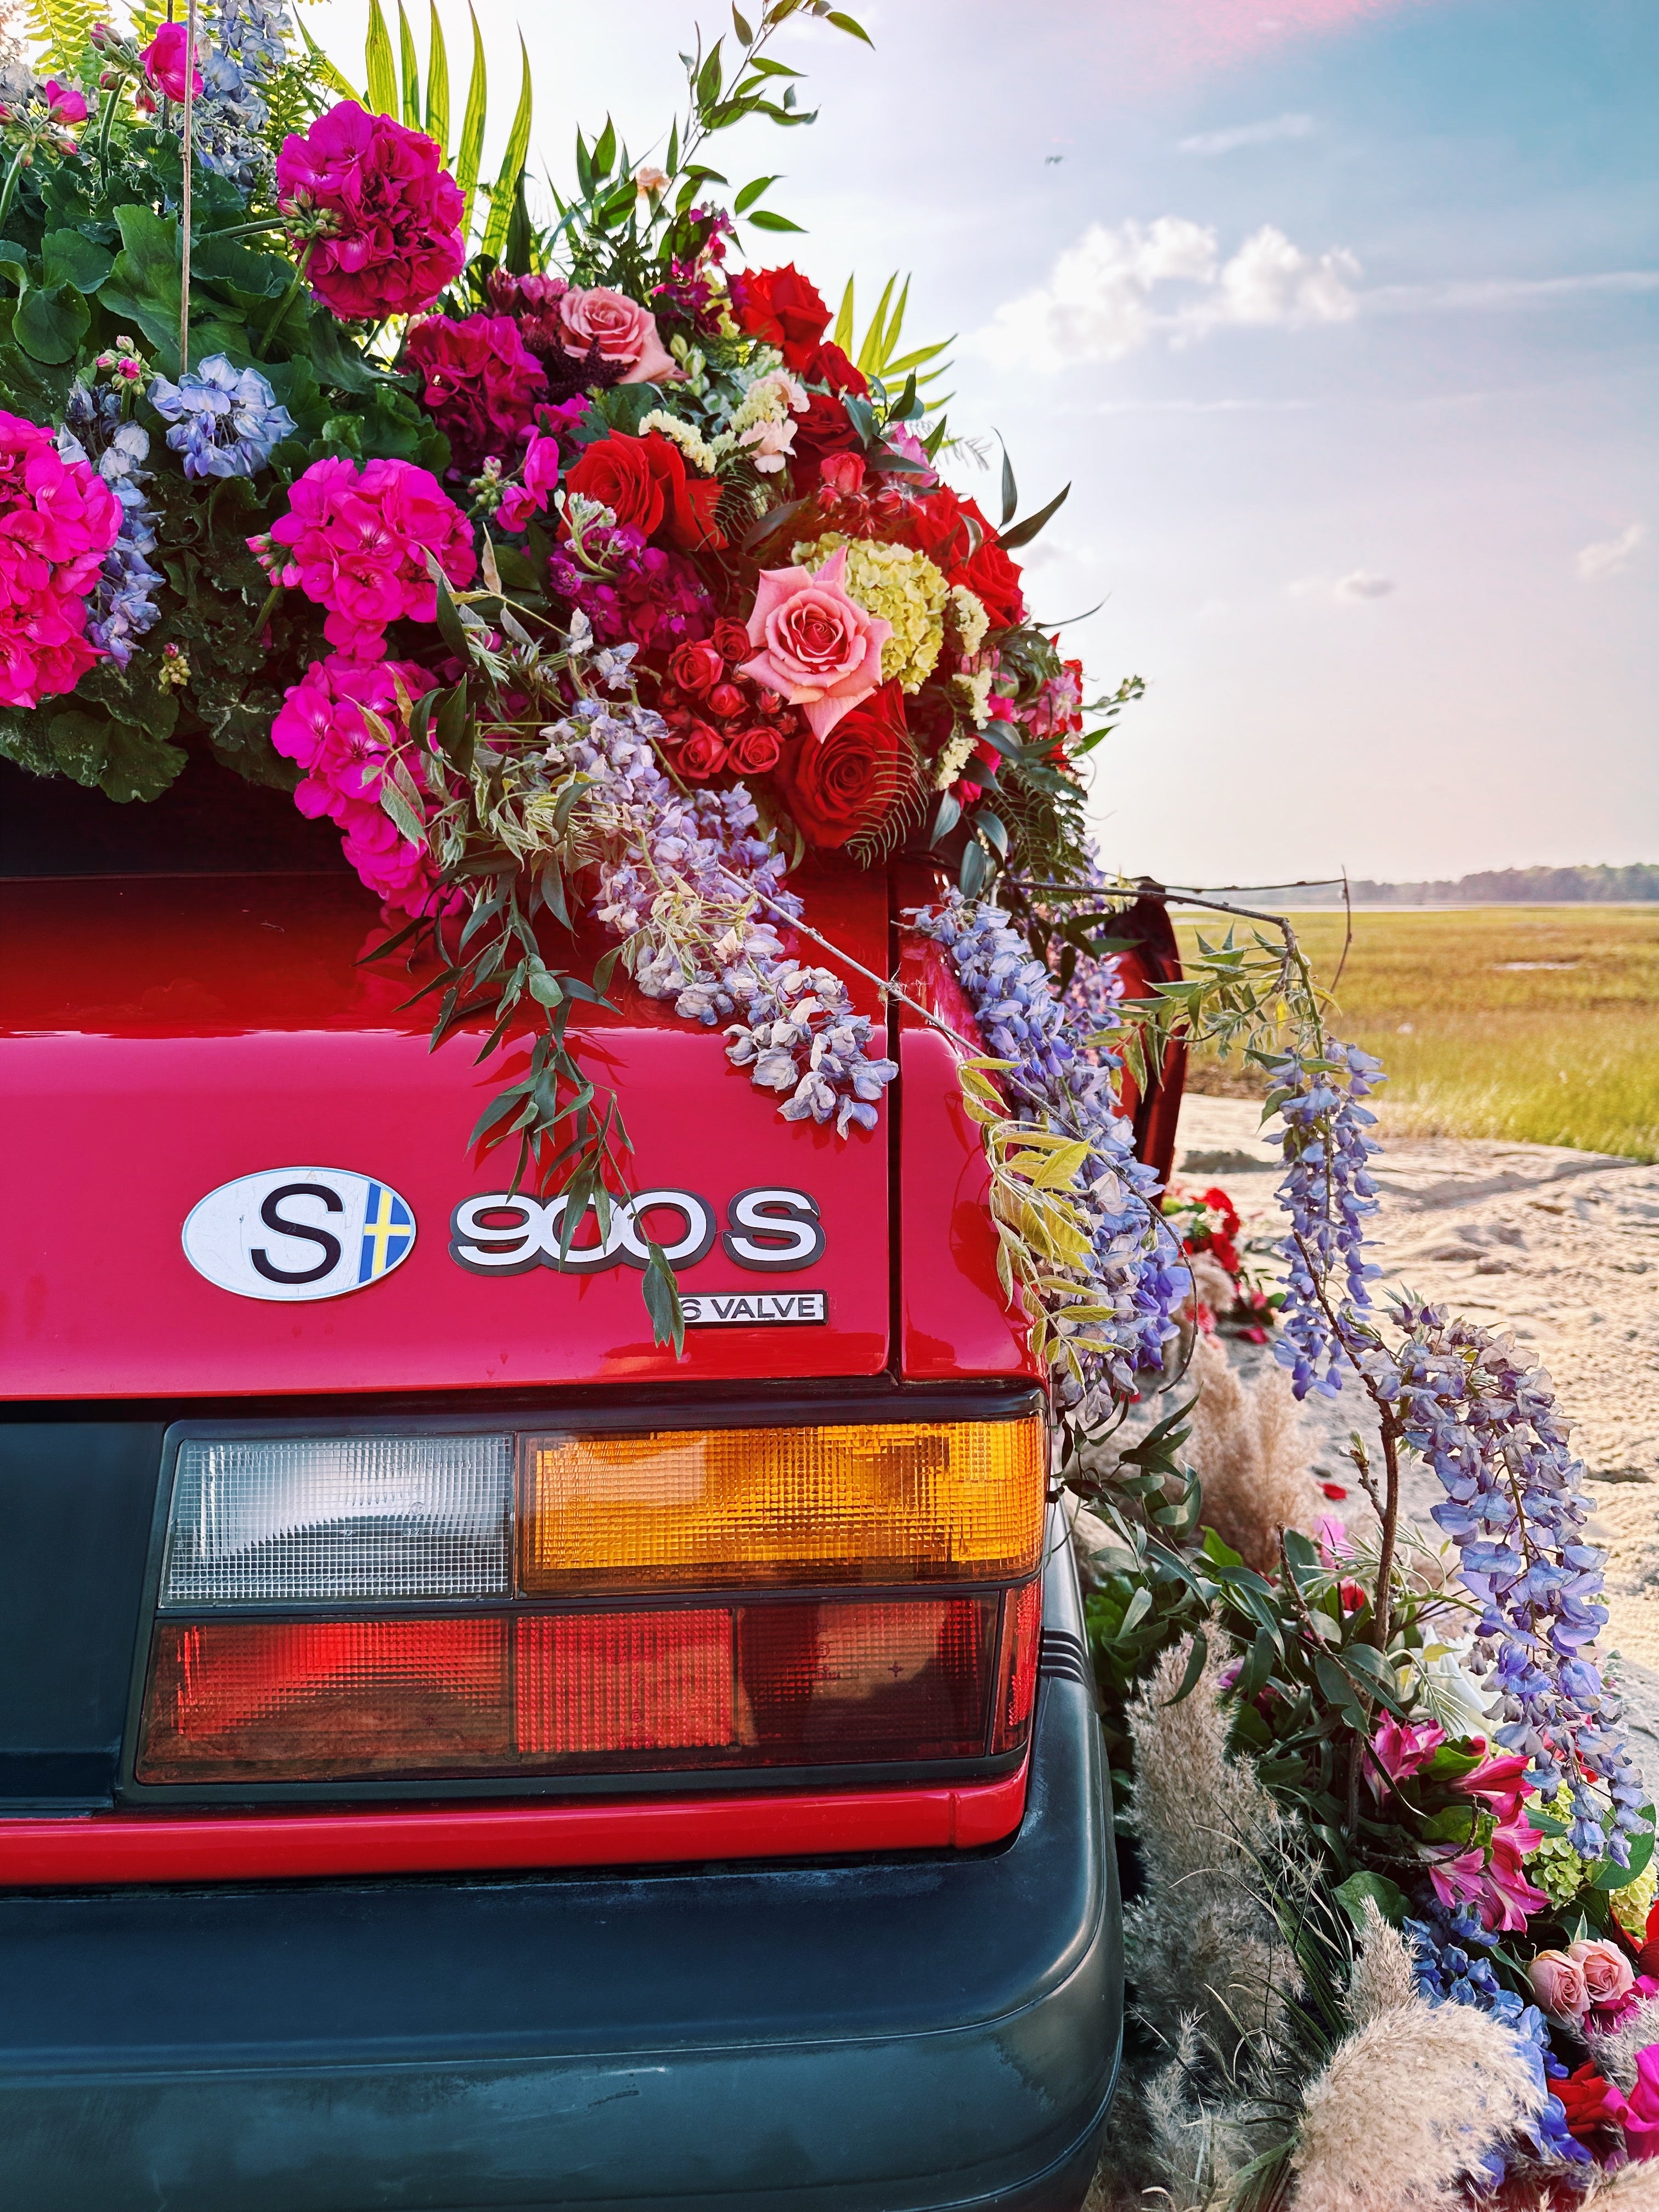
(505, 1607)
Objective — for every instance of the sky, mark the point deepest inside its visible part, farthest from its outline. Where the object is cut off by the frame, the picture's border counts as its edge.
(1341, 320)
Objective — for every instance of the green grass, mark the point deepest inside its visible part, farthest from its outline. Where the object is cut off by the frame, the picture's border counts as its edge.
(1562, 1053)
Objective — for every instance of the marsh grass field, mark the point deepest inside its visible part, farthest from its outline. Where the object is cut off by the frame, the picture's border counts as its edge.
(1540, 1023)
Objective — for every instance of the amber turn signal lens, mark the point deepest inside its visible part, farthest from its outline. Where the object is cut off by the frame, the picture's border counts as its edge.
(881, 1501)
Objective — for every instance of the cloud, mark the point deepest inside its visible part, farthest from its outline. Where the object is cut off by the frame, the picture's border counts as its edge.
(1480, 292)
(1210, 142)
(1610, 556)
(1118, 288)
(1359, 584)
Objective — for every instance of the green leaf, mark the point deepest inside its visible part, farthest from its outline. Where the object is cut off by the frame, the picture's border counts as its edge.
(126, 761)
(1611, 1877)
(708, 78)
(1454, 1824)
(437, 86)
(1195, 1660)
(377, 59)
(141, 289)
(471, 152)
(50, 325)
(1389, 1900)
(949, 814)
(750, 192)
(662, 1300)
(990, 827)
(604, 151)
(502, 197)
(1010, 491)
(740, 25)
(766, 219)
(1025, 531)
(411, 71)
(1137, 1610)
(68, 256)
(846, 23)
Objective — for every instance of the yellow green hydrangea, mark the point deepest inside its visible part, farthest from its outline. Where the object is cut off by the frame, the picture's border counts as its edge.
(1560, 1873)
(898, 586)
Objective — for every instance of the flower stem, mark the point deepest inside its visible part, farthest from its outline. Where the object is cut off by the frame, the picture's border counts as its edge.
(244, 230)
(106, 121)
(8, 189)
(283, 305)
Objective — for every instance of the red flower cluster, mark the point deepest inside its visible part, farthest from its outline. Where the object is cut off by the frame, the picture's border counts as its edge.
(780, 308)
(718, 718)
(479, 385)
(646, 484)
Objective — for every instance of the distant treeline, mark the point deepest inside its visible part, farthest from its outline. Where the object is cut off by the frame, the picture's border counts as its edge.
(1502, 887)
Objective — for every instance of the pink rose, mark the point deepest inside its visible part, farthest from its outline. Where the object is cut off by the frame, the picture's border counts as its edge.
(65, 104)
(621, 330)
(815, 646)
(1608, 1973)
(1559, 1985)
(164, 64)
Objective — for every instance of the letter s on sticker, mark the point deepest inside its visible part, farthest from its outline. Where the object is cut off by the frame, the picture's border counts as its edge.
(509, 1246)
(776, 1230)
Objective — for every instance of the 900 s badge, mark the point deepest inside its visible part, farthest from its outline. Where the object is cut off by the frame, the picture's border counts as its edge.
(771, 1231)
(291, 1234)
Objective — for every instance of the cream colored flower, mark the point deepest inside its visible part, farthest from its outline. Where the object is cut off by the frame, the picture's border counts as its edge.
(648, 180)
(958, 752)
(689, 440)
(968, 619)
(975, 693)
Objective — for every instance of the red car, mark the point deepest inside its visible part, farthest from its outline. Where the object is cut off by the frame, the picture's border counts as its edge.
(453, 1754)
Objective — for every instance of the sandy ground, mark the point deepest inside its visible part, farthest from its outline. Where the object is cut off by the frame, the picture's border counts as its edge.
(1560, 1247)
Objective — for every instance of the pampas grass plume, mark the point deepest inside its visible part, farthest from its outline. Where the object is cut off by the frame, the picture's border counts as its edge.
(1381, 1978)
(1246, 1446)
(1406, 2107)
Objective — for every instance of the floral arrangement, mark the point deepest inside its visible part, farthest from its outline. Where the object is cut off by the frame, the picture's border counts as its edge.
(585, 577)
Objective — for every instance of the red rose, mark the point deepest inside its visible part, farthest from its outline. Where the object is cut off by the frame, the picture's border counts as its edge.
(842, 473)
(825, 428)
(616, 471)
(754, 750)
(695, 667)
(827, 364)
(1591, 2103)
(703, 755)
(732, 640)
(844, 783)
(726, 700)
(934, 525)
(782, 307)
(643, 481)
(991, 576)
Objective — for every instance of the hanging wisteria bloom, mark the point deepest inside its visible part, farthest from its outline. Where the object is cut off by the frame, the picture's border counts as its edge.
(1328, 1192)
(225, 420)
(1135, 1266)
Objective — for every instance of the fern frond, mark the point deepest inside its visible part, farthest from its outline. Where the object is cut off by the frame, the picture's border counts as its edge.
(63, 30)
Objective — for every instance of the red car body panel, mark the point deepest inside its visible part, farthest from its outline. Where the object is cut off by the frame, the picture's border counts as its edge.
(168, 1035)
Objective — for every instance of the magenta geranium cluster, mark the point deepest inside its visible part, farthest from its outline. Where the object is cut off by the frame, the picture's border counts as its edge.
(372, 205)
(633, 591)
(356, 543)
(58, 520)
(322, 725)
(481, 384)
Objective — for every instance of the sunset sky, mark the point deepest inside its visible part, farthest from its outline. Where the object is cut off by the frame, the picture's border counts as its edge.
(1339, 316)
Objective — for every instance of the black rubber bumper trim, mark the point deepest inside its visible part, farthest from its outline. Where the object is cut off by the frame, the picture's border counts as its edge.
(923, 2033)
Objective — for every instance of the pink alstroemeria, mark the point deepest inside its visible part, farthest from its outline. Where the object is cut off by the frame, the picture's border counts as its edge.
(1500, 1889)
(1402, 1748)
(1335, 1544)
(1501, 1783)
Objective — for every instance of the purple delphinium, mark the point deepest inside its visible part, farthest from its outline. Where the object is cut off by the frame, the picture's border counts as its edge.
(1461, 1399)
(121, 609)
(1135, 1261)
(225, 420)
(1328, 1192)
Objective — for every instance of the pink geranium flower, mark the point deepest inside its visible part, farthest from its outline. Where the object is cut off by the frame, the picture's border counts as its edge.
(356, 542)
(322, 724)
(377, 210)
(64, 103)
(815, 646)
(58, 520)
(480, 385)
(164, 64)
